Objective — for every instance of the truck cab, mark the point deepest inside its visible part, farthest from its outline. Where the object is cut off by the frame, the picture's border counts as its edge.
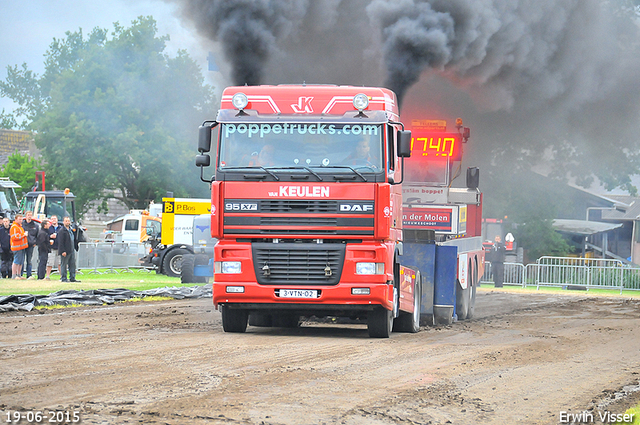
(133, 227)
(8, 201)
(51, 202)
(307, 206)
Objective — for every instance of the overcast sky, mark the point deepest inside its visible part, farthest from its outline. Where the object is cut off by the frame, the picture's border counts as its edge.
(27, 28)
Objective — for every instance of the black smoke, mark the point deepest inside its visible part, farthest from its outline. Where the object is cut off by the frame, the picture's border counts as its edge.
(415, 37)
(503, 51)
(539, 81)
(290, 41)
(248, 30)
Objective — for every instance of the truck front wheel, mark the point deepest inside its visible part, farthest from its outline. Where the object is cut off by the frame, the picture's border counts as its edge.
(380, 323)
(410, 322)
(234, 320)
(172, 262)
(380, 320)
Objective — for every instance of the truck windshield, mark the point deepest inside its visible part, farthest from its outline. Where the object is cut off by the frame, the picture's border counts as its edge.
(57, 207)
(8, 200)
(293, 145)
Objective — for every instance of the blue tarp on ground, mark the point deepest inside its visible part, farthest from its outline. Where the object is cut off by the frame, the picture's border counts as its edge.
(98, 297)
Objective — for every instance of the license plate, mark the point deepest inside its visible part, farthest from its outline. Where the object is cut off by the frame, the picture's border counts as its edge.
(298, 293)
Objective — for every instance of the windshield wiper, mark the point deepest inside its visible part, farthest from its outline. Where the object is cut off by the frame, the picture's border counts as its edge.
(316, 175)
(266, 170)
(350, 168)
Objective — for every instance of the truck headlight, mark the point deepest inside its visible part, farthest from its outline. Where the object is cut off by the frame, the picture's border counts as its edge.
(240, 100)
(360, 101)
(369, 268)
(227, 267)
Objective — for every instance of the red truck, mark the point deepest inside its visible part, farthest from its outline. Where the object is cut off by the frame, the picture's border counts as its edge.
(307, 207)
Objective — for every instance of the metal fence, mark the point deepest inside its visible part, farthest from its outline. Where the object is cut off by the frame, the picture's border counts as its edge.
(514, 274)
(586, 273)
(113, 256)
(579, 273)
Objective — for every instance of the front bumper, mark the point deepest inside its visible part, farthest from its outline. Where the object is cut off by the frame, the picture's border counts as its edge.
(339, 297)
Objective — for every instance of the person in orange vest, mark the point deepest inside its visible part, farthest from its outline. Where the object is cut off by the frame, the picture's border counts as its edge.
(19, 244)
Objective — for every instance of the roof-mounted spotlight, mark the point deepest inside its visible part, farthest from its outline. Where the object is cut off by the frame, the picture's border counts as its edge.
(361, 102)
(240, 100)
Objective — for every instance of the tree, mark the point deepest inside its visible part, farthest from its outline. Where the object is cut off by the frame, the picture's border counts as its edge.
(537, 236)
(22, 170)
(531, 202)
(8, 121)
(116, 113)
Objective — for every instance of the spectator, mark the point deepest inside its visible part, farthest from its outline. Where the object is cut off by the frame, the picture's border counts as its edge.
(31, 228)
(19, 245)
(67, 247)
(6, 254)
(44, 247)
(497, 262)
(54, 258)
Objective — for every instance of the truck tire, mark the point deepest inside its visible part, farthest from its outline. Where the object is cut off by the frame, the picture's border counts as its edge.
(380, 320)
(202, 260)
(186, 273)
(462, 300)
(172, 262)
(234, 320)
(410, 322)
(472, 302)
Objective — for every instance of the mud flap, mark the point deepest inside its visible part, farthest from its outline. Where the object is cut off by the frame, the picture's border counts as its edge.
(444, 293)
(438, 266)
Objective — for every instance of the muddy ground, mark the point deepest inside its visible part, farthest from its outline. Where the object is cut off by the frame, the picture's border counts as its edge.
(524, 359)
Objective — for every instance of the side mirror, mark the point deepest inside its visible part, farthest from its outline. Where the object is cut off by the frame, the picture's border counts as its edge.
(473, 177)
(203, 160)
(404, 144)
(204, 137)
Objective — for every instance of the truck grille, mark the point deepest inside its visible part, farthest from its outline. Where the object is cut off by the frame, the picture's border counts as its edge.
(298, 221)
(298, 206)
(320, 217)
(298, 263)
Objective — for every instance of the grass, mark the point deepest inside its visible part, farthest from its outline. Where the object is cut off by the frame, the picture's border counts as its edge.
(150, 298)
(137, 280)
(130, 300)
(56, 306)
(140, 280)
(559, 290)
(635, 411)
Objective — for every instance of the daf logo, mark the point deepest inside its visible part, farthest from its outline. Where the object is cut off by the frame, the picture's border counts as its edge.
(365, 208)
(240, 206)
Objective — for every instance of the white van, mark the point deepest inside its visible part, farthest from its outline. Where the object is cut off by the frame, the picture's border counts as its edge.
(132, 227)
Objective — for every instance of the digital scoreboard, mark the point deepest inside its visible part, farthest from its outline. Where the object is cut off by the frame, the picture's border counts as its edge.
(431, 145)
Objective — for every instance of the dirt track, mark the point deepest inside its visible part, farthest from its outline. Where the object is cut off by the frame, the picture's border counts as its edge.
(524, 359)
